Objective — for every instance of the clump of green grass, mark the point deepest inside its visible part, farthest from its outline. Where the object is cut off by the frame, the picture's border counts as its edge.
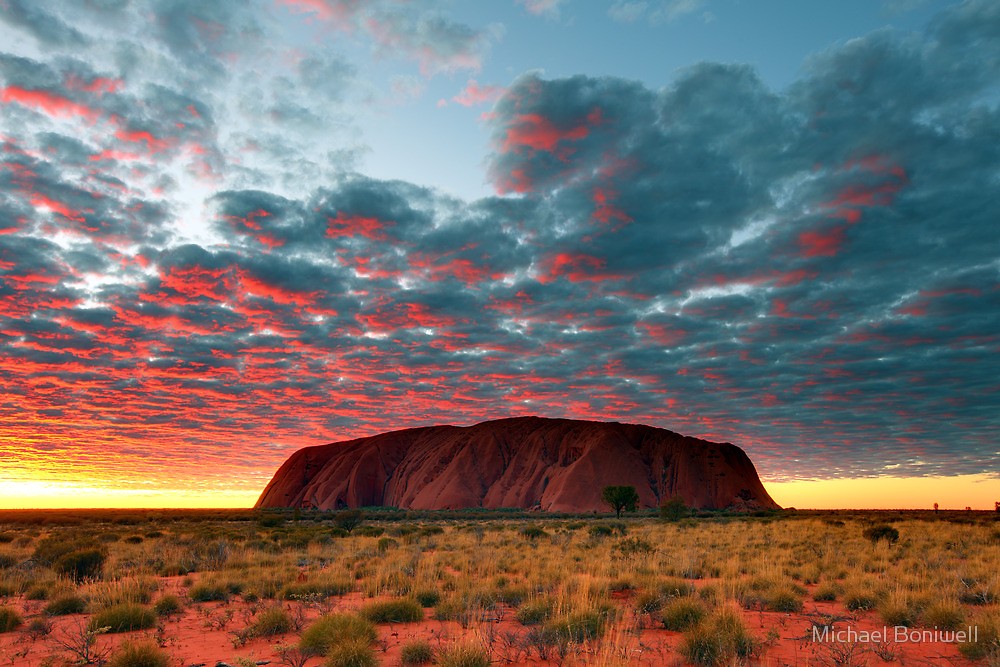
(464, 655)
(38, 592)
(720, 639)
(326, 631)
(139, 654)
(987, 644)
(9, 619)
(946, 615)
(427, 597)
(167, 605)
(404, 610)
(533, 532)
(875, 534)
(317, 589)
(826, 592)
(416, 652)
(861, 600)
(82, 564)
(123, 618)
(784, 599)
(69, 603)
(270, 622)
(578, 627)
(205, 592)
(351, 652)
(534, 612)
(681, 614)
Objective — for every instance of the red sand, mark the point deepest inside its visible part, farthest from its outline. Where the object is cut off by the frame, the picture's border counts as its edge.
(204, 633)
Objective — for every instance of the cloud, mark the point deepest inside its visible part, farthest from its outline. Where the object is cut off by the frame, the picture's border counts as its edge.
(811, 273)
(548, 8)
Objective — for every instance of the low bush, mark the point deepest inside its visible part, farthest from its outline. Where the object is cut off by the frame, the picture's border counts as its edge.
(416, 652)
(533, 532)
(333, 629)
(826, 592)
(319, 589)
(205, 592)
(533, 613)
(464, 655)
(881, 532)
(139, 654)
(70, 603)
(351, 652)
(944, 615)
(722, 638)
(393, 611)
(82, 564)
(9, 619)
(427, 597)
(681, 614)
(123, 618)
(270, 622)
(168, 605)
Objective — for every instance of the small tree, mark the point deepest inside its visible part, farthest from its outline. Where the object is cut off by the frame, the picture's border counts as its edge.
(935, 508)
(620, 498)
(348, 519)
(996, 506)
(674, 509)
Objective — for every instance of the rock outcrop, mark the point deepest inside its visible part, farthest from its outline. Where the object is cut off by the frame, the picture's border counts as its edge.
(557, 465)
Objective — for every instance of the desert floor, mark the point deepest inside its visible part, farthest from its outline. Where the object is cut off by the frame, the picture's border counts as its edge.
(245, 588)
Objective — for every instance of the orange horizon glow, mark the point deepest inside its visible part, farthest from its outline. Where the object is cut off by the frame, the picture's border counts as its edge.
(978, 492)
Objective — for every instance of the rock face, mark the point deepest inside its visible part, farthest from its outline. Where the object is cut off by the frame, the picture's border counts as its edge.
(557, 465)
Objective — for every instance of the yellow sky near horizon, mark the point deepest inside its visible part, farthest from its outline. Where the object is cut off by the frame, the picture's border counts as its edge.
(958, 492)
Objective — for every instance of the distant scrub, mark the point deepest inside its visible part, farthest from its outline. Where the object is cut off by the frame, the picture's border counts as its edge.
(875, 534)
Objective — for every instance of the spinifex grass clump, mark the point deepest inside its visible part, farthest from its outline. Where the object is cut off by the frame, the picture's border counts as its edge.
(69, 603)
(270, 622)
(9, 619)
(139, 654)
(720, 639)
(681, 614)
(123, 618)
(416, 652)
(464, 655)
(334, 629)
(393, 611)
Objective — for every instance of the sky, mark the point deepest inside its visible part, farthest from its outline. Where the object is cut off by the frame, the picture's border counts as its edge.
(231, 230)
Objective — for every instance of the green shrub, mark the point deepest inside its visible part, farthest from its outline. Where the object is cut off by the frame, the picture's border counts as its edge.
(897, 613)
(987, 644)
(427, 597)
(270, 622)
(82, 564)
(123, 618)
(351, 652)
(386, 543)
(577, 628)
(944, 615)
(533, 532)
(681, 614)
(533, 613)
(70, 603)
(416, 652)
(393, 611)
(38, 592)
(826, 592)
(9, 619)
(722, 638)
(333, 629)
(784, 599)
(463, 655)
(862, 600)
(881, 532)
(318, 589)
(205, 592)
(139, 654)
(167, 605)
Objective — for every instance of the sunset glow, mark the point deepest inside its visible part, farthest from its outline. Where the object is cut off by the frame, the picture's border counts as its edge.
(230, 230)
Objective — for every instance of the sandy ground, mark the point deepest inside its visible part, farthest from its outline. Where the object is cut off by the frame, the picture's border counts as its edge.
(204, 634)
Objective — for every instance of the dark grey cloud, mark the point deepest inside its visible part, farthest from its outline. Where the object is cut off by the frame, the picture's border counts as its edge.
(811, 273)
